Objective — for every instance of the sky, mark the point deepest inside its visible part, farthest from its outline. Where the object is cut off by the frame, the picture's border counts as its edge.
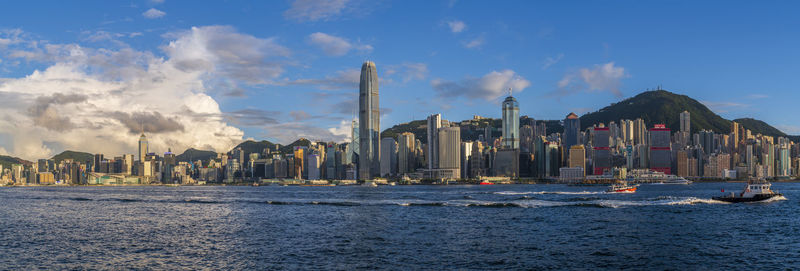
(92, 75)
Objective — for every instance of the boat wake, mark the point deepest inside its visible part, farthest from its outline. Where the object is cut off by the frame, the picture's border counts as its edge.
(550, 193)
(773, 199)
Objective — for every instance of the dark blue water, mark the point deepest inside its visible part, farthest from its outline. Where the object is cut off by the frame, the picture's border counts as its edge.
(401, 227)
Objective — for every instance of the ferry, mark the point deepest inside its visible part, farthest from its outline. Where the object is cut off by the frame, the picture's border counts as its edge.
(672, 179)
(622, 188)
(486, 183)
(752, 192)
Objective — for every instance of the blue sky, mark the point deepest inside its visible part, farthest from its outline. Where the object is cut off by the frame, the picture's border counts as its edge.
(279, 70)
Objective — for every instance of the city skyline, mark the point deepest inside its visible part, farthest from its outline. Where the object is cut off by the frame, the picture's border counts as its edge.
(294, 74)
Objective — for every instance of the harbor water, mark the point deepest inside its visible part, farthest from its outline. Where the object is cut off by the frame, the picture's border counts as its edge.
(676, 227)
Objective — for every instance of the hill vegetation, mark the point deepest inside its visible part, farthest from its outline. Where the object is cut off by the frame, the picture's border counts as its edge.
(76, 156)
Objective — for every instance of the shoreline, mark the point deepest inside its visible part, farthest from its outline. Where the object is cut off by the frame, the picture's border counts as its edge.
(398, 184)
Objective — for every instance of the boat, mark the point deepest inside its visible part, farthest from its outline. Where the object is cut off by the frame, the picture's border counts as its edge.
(622, 188)
(370, 183)
(753, 192)
(486, 183)
(672, 179)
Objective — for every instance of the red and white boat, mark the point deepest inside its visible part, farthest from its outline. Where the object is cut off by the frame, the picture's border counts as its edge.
(622, 188)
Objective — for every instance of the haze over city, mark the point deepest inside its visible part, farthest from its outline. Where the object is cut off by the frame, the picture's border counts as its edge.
(210, 76)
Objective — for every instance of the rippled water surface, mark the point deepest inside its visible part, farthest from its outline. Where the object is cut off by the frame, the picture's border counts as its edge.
(398, 227)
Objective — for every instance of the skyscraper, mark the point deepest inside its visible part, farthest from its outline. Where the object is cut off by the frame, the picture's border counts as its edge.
(405, 153)
(434, 123)
(685, 122)
(369, 123)
(450, 152)
(601, 155)
(143, 147)
(510, 123)
(387, 151)
(660, 149)
(572, 129)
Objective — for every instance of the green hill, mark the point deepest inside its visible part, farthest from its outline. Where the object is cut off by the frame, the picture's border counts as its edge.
(759, 127)
(192, 154)
(659, 106)
(7, 161)
(76, 156)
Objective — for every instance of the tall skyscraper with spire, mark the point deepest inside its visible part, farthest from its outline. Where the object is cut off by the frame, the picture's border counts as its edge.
(510, 122)
(143, 147)
(369, 123)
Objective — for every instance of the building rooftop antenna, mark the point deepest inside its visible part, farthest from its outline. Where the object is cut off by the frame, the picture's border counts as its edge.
(509, 91)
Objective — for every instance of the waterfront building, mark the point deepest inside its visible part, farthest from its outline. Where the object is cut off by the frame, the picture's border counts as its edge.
(369, 122)
(601, 151)
(387, 155)
(477, 163)
(577, 157)
(683, 163)
(466, 155)
(405, 153)
(660, 149)
(449, 153)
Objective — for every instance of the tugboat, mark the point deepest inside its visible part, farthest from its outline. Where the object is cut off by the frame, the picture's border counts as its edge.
(622, 188)
(752, 192)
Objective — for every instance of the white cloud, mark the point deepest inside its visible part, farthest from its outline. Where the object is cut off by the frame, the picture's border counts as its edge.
(489, 87)
(342, 131)
(336, 46)
(90, 99)
(153, 13)
(475, 43)
(156, 2)
(550, 61)
(789, 129)
(315, 10)
(223, 50)
(605, 77)
(757, 96)
(408, 71)
(456, 26)
(344, 79)
(724, 107)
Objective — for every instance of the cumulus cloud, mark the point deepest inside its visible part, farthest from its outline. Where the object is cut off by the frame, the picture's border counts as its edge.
(222, 50)
(336, 46)
(456, 26)
(487, 87)
(605, 77)
(315, 10)
(153, 13)
(99, 99)
(147, 122)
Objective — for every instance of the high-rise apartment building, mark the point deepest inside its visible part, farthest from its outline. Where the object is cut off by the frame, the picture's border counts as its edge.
(369, 123)
(685, 120)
